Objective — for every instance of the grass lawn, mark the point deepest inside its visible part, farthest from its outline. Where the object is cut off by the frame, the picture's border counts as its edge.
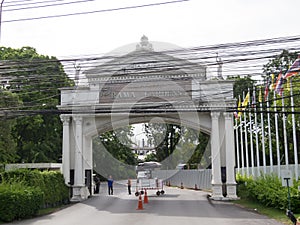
(276, 214)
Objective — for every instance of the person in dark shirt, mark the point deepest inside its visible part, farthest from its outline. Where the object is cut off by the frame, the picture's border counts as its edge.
(97, 184)
(129, 186)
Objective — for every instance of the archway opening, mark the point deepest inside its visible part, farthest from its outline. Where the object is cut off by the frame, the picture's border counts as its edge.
(117, 152)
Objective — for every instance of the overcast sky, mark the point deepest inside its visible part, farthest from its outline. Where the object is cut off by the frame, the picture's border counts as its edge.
(185, 24)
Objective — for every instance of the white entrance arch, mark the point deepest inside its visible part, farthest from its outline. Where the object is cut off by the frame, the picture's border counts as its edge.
(136, 88)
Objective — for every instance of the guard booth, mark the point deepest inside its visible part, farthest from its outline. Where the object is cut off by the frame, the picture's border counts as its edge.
(135, 88)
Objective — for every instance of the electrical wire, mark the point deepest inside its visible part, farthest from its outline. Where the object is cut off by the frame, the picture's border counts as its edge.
(47, 5)
(170, 65)
(96, 11)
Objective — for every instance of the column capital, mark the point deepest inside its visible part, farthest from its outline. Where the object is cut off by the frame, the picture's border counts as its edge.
(227, 115)
(215, 115)
(78, 120)
(65, 119)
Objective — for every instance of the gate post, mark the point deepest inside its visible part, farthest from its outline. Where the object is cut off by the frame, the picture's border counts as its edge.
(230, 156)
(66, 148)
(80, 191)
(216, 158)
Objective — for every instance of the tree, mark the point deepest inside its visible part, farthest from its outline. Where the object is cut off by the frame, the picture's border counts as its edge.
(8, 153)
(165, 137)
(277, 65)
(36, 80)
(112, 154)
(176, 145)
(200, 156)
(241, 85)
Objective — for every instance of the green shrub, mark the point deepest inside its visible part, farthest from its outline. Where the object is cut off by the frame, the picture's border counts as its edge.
(23, 192)
(51, 183)
(18, 201)
(56, 192)
(269, 191)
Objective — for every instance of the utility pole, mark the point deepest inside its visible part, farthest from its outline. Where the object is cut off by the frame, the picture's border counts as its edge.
(1, 16)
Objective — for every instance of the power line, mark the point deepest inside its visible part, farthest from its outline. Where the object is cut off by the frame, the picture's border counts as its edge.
(31, 77)
(47, 5)
(96, 11)
(27, 2)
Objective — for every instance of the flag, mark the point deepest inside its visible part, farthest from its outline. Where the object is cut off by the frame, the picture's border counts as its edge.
(246, 101)
(278, 85)
(238, 113)
(272, 85)
(259, 96)
(294, 69)
(267, 90)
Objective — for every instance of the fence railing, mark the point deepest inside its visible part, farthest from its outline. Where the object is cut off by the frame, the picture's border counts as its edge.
(276, 170)
(202, 178)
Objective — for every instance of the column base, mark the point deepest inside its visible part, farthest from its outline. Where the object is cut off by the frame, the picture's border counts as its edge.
(231, 191)
(217, 193)
(80, 193)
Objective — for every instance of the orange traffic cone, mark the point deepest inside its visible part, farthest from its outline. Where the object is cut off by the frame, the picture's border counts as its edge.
(146, 198)
(140, 204)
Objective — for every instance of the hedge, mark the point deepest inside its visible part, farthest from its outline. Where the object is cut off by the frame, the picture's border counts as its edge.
(23, 187)
(268, 190)
(18, 201)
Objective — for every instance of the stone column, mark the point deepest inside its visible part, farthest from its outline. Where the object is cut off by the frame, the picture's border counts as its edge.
(78, 178)
(66, 148)
(215, 157)
(78, 173)
(230, 156)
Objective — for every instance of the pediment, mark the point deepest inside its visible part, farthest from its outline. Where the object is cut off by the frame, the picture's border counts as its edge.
(145, 62)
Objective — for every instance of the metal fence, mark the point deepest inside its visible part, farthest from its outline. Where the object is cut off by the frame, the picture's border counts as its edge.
(256, 172)
(202, 178)
(187, 178)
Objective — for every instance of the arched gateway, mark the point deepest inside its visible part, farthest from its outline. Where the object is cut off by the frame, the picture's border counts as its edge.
(136, 88)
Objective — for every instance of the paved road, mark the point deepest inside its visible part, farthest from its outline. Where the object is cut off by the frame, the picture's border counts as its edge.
(176, 207)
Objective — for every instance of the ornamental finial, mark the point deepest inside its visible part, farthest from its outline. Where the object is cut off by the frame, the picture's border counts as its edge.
(144, 44)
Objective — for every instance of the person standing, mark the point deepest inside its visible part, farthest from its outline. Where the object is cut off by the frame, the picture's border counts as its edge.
(129, 186)
(110, 182)
(97, 184)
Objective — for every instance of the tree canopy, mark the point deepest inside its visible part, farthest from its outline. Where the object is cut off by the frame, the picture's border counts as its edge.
(112, 154)
(34, 81)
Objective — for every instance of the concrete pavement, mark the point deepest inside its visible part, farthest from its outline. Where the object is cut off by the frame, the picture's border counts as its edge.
(176, 207)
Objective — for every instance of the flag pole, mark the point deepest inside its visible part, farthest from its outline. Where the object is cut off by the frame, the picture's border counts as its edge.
(246, 142)
(242, 145)
(276, 134)
(284, 134)
(237, 145)
(256, 137)
(263, 139)
(251, 138)
(294, 130)
(269, 134)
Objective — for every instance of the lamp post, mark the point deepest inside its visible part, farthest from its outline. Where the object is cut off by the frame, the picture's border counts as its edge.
(1, 16)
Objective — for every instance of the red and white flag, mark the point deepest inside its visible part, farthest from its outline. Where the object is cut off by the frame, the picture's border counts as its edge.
(294, 69)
